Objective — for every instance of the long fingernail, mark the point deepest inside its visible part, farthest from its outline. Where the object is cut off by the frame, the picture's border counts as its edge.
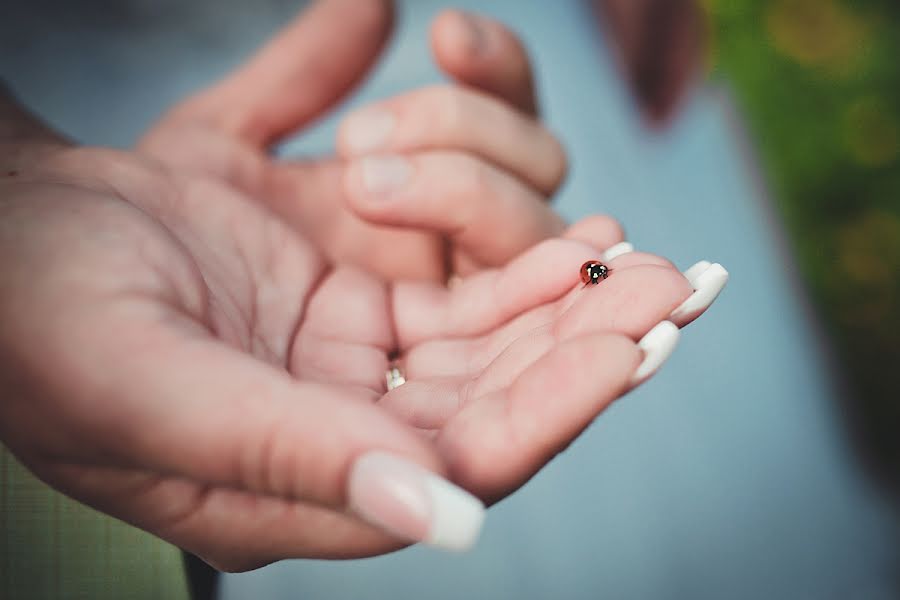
(413, 503)
(384, 175)
(695, 270)
(368, 129)
(617, 250)
(707, 284)
(658, 344)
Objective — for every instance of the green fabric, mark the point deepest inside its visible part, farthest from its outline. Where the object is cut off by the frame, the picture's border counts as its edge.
(54, 547)
(819, 85)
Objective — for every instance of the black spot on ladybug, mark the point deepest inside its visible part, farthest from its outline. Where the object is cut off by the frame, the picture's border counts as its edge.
(594, 272)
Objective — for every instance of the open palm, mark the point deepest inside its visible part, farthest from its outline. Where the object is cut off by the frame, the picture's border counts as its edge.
(203, 372)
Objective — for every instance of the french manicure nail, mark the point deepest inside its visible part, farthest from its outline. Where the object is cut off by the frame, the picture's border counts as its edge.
(707, 286)
(617, 250)
(383, 175)
(408, 501)
(694, 271)
(658, 344)
(368, 129)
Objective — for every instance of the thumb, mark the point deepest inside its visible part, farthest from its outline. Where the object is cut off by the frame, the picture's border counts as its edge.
(195, 408)
(484, 54)
(298, 74)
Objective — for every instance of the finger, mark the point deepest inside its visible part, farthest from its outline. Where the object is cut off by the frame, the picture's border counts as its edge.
(344, 337)
(480, 303)
(484, 54)
(708, 281)
(599, 231)
(631, 302)
(303, 71)
(430, 403)
(466, 199)
(487, 299)
(497, 442)
(304, 194)
(636, 299)
(452, 118)
(191, 407)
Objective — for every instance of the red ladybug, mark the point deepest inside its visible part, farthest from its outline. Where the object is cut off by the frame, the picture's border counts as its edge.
(594, 271)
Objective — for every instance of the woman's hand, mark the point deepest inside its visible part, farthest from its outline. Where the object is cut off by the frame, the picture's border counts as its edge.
(443, 180)
(176, 356)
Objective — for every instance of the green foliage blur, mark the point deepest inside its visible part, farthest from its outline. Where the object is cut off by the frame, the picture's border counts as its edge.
(819, 82)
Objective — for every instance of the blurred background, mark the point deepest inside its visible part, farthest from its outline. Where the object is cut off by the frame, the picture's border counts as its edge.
(762, 461)
(818, 83)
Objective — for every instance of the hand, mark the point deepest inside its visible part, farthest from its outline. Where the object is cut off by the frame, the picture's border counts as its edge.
(176, 356)
(479, 166)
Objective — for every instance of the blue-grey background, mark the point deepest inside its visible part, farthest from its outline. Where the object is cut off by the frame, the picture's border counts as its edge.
(726, 476)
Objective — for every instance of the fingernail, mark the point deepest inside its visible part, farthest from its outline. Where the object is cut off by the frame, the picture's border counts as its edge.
(476, 35)
(617, 250)
(368, 129)
(694, 271)
(707, 286)
(413, 503)
(658, 345)
(384, 175)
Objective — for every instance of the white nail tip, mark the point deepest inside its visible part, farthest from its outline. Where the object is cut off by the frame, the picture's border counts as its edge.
(617, 250)
(457, 516)
(695, 271)
(406, 499)
(658, 344)
(707, 286)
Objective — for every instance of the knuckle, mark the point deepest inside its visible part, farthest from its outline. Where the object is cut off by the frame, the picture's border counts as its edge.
(478, 176)
(473, 185)
(449, 107)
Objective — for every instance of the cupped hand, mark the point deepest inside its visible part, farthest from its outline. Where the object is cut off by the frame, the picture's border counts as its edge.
(447, 179)
(176, 356)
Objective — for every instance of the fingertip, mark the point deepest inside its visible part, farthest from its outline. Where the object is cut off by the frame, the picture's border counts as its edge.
(637, 258)
(600, 231)
(459, 41)
(414, 503)
(483, 53)
(656, 346)
(707, 286)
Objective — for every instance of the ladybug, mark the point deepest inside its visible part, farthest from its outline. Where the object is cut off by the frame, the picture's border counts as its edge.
(593, 272)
